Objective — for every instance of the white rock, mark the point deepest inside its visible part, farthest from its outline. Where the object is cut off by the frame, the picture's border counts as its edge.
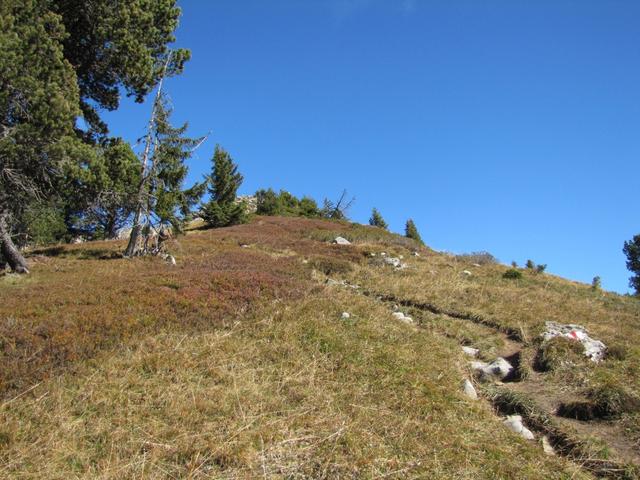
(547, 447)
(476, 265)
(469, 390)
(402, 317)
(171, 260)
(341, 241)
(594, 349)
(416, 254)
(467, 273)
(383, 254)
(393, 261)
(401, 257)
(514, 423)
(346, 315)
(472, 352)
(499, 369)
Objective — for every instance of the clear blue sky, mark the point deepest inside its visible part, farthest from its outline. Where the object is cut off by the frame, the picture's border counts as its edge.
(510, 126)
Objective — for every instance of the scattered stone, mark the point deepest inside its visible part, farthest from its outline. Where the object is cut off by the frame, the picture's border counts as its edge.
(171, 260)
(467, 273)
(372, 254)
(547, 447)
(472, 352)
(340, 283)
(469, 389)
(416, 254)
(594, 349)
(341, 241)
(305, 261)
(497, 370)
(402, 317)
(346, 315)
(244, 245)
(514, 423)
(383, 254)
(393, 261)
(401, 257)
(476, 265)
(78, 240)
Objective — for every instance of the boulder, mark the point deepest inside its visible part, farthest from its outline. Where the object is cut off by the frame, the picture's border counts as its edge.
(346, 315)
(497, 370)
(594, 349)
(514, 423)
(402, 317)
(341, 241)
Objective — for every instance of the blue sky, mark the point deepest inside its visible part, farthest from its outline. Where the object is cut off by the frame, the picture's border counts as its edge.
(509, 126)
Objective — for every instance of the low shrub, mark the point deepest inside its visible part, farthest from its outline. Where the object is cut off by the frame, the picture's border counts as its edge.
(512, 273)
(481, 258)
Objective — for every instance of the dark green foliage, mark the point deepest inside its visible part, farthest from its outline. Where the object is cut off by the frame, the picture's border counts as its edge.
(308, 207)
(411, 231)
(530, 264)
(596, 284)
(114, 45)
(38, 105)
(632, 251)
(285, 204)
(376, 220)
(514, 264)
(540, 268)
(512, 273)
(43, 224)
(223, 209)
(99, 194)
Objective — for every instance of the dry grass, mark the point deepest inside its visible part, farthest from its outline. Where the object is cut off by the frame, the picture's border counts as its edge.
(237, 364)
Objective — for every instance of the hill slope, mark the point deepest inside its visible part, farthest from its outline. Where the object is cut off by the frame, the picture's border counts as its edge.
(239, 363)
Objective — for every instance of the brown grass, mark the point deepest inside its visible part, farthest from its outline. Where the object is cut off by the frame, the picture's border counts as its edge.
(237, 363)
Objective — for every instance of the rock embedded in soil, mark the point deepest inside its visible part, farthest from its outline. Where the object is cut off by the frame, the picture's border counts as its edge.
(514, 423)
(341, 241)
(472, 352)
(469, 389)
(497, 370)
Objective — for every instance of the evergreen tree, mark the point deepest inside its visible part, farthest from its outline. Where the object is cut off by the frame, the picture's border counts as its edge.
(62, 60)
(376, 220)
(223, 209)
(161, 199)
(632, 251)
(38, 105)
(308, 208)
(411, 231)
(267, 202)
(99, 194)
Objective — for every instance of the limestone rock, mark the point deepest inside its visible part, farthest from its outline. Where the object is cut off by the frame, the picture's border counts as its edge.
(341, 241)
(514, 423)
(472, 352)
(469, 390)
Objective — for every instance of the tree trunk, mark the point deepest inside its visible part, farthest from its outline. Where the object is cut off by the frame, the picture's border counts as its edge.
(132, 247)
(8, 251)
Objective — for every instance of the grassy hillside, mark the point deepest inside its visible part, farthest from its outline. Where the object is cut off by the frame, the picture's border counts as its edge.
(238, 363)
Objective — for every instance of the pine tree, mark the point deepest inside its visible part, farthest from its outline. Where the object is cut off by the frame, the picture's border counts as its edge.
(161, 200)
(223, 209)
(376, 220)
(632, 251)
(411, 231)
